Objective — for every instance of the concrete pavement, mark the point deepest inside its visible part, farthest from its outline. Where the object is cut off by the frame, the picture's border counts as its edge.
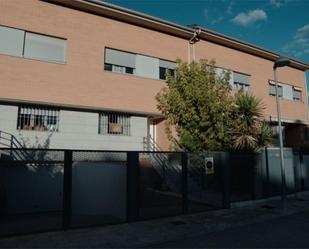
(236, 227)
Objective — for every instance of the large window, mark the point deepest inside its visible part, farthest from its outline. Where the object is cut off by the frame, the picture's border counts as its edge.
(140, 65)
(115, 123)
(119, 61)
(285, 91)
(241, 81)
(44, 48)
(33, 46)
(38, 118)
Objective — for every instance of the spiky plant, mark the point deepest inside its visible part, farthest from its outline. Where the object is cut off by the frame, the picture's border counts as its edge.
(250, 132)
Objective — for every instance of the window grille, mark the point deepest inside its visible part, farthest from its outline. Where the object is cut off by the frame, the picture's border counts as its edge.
(114, 123)
(38, 118)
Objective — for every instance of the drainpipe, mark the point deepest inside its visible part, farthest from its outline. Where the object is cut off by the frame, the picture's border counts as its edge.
(306, 95)
(191, 48)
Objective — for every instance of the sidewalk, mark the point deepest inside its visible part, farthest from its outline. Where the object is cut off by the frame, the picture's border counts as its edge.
(158, 232)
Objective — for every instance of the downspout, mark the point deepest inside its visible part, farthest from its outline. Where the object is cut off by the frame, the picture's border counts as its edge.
(191, 47)
(306, 94)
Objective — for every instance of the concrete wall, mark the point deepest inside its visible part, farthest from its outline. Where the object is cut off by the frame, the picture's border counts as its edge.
(77, 130)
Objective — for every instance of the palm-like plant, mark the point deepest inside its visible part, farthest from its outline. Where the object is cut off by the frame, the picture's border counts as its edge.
(249, 130)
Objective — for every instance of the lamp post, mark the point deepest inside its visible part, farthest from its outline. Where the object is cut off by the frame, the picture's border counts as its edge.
(280, 62)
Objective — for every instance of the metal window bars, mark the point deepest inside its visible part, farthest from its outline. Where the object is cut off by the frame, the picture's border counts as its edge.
(38, 118)
(115, 124)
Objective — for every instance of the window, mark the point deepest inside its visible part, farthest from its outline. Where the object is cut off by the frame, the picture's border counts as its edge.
(220, 72)
(272, 90)
(285, 91)
(119, 61)
(44, 48)
(166, 67)
(238, 85)
(11, 41)
(241, 81)
(129, 70)
(297, 94)
(108, 67)
(164, 72)
(118, 69)
(38, 118)
(137, 64)
(114, 123)
(30, 45)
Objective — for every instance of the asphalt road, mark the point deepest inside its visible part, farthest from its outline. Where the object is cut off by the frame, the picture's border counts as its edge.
(285, 232)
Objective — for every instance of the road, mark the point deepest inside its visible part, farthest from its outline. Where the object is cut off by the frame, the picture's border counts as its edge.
(284, 232)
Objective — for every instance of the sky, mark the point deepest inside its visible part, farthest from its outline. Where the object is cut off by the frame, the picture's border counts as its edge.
(278, 25)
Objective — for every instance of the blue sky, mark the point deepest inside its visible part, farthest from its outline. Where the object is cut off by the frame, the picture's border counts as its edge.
(278, 25)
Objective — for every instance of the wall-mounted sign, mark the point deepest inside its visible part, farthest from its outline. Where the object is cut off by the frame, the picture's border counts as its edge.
(209, 165)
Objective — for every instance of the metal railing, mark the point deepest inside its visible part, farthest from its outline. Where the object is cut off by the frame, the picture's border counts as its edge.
(10, 141)
(169, 172)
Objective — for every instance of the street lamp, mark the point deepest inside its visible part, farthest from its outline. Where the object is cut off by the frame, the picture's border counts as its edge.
(281, 62)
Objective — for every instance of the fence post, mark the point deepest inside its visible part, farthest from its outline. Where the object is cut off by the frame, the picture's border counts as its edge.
(267, 182)
(67, 189)
(132, 186)
(299, 171)
(184, 185)
(11, 146)
(226, 181)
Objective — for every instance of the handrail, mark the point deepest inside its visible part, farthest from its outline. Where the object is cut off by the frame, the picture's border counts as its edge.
(12, 143)
(150, 144)
(161, 161)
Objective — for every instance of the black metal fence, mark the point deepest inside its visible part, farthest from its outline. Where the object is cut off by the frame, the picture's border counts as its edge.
(45, 189)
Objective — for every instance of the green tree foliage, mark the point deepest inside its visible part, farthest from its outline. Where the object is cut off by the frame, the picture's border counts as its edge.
(197, 104)
(206, 115)
(250, 131)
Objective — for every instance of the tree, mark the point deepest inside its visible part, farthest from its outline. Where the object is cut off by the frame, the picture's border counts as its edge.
(250, 131)
(197, 103)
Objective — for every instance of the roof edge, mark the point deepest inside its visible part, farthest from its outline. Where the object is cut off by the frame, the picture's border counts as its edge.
(148, 21)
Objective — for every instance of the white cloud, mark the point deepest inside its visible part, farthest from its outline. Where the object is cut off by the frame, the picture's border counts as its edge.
(229, 9)
(249, 18)
(217, 20)
(206, 13)
(300, 42)
(212, 16)
(277, 3)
